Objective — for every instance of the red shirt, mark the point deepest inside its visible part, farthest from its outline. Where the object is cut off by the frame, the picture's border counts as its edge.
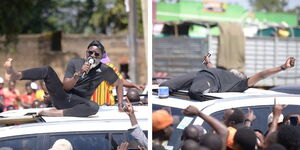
(10, 96)
(28, 98)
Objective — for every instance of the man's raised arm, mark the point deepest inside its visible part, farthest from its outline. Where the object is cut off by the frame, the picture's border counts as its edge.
(289, 63)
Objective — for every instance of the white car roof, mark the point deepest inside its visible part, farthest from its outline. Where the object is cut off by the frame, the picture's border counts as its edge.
(179, 102)
(107, 119)
(251, 97)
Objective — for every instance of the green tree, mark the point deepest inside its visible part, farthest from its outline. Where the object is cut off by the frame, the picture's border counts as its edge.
(22, 16)
(111, 14)
(268, 5)
(68, 16)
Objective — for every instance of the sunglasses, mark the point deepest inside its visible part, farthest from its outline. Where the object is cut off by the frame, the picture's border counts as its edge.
(92, 52)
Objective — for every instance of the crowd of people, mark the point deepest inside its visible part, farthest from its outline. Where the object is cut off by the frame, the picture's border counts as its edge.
(33, 97)
(234, 132)
(36, 96)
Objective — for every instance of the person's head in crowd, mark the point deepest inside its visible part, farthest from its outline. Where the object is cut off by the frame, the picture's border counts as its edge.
(6, 148)
(190, 132)
(162, 125)
(190, 145)
(35, 104)
(211, 141)
(47, 99)
(200, 129)
(10, 107)
(133, 95)
(291, 119)
(276, 146)
(233, 117)
(28, 88)
(34, 86)
(244, 139)
(1, 82)
(11, 85)
(62, 144)
(289, 137)
(270, 119)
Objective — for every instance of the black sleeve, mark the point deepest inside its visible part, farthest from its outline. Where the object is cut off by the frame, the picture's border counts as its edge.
(110, 76)
(240, 86)
(70, 70)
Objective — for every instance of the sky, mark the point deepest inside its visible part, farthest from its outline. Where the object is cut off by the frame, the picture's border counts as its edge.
(245, 3)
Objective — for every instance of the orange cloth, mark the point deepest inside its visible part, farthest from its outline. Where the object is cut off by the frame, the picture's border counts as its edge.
(230, 137)
(161, 119)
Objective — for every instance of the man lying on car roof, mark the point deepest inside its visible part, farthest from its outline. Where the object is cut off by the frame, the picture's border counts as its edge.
(214, 80)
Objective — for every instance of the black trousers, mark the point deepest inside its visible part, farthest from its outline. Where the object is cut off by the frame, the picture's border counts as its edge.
(72, 104)
(196, 83)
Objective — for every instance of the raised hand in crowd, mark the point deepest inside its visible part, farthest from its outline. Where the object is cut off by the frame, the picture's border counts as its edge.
(123, 146)
(136, 132)
(219, 127)
(277, 110)
(249, 117)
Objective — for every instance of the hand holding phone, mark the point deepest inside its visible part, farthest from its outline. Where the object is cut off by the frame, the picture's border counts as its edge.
(294, 120)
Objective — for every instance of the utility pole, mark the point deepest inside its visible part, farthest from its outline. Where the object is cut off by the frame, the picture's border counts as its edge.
(133, 71)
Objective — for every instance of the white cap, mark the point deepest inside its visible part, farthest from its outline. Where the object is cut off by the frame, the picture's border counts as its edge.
(33, 85)
(62, 144)
(270, 118)
(1, 80)
(283, 24)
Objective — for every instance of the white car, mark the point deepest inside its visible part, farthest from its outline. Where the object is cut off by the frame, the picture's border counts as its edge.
(260, 101)
(105, 130)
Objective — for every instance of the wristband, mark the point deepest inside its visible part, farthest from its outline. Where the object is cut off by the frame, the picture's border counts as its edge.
(282, 68)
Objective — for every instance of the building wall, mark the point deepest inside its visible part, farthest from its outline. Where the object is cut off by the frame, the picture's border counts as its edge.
(35, 51)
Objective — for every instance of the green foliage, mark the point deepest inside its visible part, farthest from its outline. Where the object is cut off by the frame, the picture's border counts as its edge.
(23, 16)
(115, 18)
(68, 16)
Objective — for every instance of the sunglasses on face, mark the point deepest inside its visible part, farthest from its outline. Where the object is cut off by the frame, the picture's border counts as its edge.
(92, 52)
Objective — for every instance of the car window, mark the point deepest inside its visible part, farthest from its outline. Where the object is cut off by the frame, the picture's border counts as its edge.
(81, 141)
(95, 141)
(21, 143)
(261, 112)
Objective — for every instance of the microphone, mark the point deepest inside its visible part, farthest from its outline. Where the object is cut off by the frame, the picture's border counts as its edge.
(208, 55)
(91, 61)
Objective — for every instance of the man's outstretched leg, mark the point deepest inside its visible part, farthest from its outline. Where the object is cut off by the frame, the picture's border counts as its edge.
(51, 79)
(10, 73)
